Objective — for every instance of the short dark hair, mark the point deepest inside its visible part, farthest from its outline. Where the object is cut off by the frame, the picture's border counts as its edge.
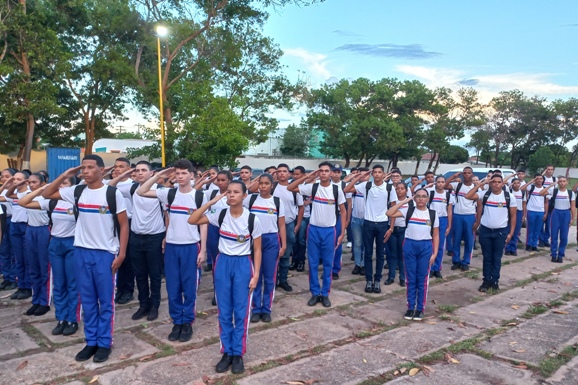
(362, 169)
(300, 168)
(495, 176)
(124, 160)
(468, 168)
(184, 164)
(522, 170)
(25, 173)
(497, 172)
(11, 170)
(227, 173)
(245, 167)
(283, 165)
(243, 186)
(378, 166)
(325, 164)
(96, 158)
(538, 174)
(150, 166)
(266, 175)
(395, 172)
(440, 176)
(40, 177)
(353, 169)
(396, 169)
(415, 176)
(428, 173)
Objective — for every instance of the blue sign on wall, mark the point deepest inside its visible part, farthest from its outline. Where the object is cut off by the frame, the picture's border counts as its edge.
(59, 160)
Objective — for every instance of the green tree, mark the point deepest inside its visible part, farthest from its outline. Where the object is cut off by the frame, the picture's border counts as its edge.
(454, 154)
(480, 142)
(566, 127)
(296, 141)
(540, 159)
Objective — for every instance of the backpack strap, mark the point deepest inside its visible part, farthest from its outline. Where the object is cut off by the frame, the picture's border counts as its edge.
(252, 200)
(367, 188)
(431, 197)
(388, 188)
(214, 193)
(336, 197)
(199, 196)
(274, 187)
(409, 213)
(171, 197)
(251, 227)
(133, 188)
(77, 193)
(51, 206)
(448, 197)
(552, 200)
(432, 219)
(314, 189)
(222, 217)
(111, 202)
(277, 202)
(458, 188)
(532, 188)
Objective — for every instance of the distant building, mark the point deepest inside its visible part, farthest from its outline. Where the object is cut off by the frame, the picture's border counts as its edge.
(120, 145)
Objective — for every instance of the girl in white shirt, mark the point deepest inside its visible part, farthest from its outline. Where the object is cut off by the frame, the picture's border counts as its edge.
(395, 235)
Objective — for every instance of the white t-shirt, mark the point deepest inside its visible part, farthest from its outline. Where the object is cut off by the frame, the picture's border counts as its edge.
(19, 214)
(286, 196)
(180, 232)
(562, 201)
(440, 204)
(535, 200)
(127, 200)
(234, 237)
(376, 203)
(147, 217)
(63, 220)
(221, 204)
(7, 206)
(358, 202)
(419, 225)
(495, 214)
(520, 198)
(323, 206)
(464, 206)
(266, 211)
(400, 221)
(36, 218)
(95, 226)
(547, 182)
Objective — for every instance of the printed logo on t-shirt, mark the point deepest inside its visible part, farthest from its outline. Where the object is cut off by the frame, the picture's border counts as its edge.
(428, 222)
(190, 211)
(70, 211)
(233, 237)
(330, 201)
(102, 209)
(241, 238)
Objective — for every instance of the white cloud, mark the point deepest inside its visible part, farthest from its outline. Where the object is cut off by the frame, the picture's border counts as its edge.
(315, 63)
(489, 85)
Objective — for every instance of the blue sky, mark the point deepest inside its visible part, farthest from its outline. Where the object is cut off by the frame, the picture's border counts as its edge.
(492, 45)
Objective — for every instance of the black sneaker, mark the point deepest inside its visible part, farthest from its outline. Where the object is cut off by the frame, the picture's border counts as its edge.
(369, 287)
(125, 298)
(255, 317)
(175, 333)
(388, 281)
(214, 301)
(456, 266)
(3, 285)
(313, 300)
(546, 244)
(362, 272)
(237, 366)
(437, 274)
(266, 317)
(86, 353)
(475, 248)
(301, 266)
(356, 270)
(41, 310)
(293, 266)
(450, 253)
(377, 287)
(153, 314)
(495, 286)
(70, 329)
(224, 364)
(514, 253)
(528, 248)
(208, 268)
(402, 282)
(408, 315)
(11, 286)
(59, 328)
(560, 260)
(554, 259)
(417, 315)
(33, 308)
(465, 267)
(24, 294)
(325, 301)
(140, 313)
(485, 287)
(186, 333)
(334, 276)
(285, 286)
(101, 355)
(431, 273)
(534, 248)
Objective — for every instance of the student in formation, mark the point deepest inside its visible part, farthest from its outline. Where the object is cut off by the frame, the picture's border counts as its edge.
(357, 215)
(442, 201)
(419, 250)
(185, 247)
(549, 179)
(464, 217)
(18, 235)
(562, 213)
(100, 240)
(520, 195)
(271, 213)
(395, 236)
(236, 270)
(147, 232)
(497, 222)
(537, 207)
(300, 246)
(322, 241)
(378, 196)
(6, 252)
(336, 173)
(37, 240)
(245, 175)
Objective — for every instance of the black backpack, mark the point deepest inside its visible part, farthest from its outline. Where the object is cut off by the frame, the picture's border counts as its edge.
(51, 206)
(110, 201)
(552, 202)
(199, 196)
(432, 193)
(506, 196)
(388, 187)
(275, 199)
(294, 192)
(251, 225)
(335, 196)
(410, 211)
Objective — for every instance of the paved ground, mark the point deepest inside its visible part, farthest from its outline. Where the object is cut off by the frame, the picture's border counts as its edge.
(526, 334)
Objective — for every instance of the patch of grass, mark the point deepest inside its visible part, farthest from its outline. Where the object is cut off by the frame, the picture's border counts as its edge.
(552, 280)
(468, 345)
(472, 274)
(556, 303)
(448, 308)
(495, 331)
(319, 312)
(535, 310)
(570, 296)
(476, 299)
(432, 358)
(549, 365)
(505, 263)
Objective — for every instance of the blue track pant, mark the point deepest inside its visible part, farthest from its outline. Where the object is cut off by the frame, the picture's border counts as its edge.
(463, 230)
(416, 255)
(357, 230)
(182, 276)
(212, 243)
(512, 246)
(264, 293)
(437, 266)
(395, 257)
(96, 286)
(37, 239)
(65, 292)
(339, 248)
(560, 225)
(7, 254)
(492, 242)
(533, 226)
(284, 262)
(232, 277)
(320, 250)
(19, 248)
(544, 236)
(300, 246)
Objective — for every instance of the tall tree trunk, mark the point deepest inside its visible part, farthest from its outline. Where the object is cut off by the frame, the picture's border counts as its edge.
(497, 153)
(87, 135)
(431, 159)
(388, 166)
(437, 164)
(369, 160)
(417, 165)
(394, 160)
(347, 160)
(169, 145)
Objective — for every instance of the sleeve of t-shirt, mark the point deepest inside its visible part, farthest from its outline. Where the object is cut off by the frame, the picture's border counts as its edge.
(282, 208)
(67, 194)
(125, 189)
(513, 201)
(44, 204)
(306, 189)
(257, 229)
(213, 217)
(392, 195)
(299, 200)
(340, 197)
(436, 221)
(163, 196)
(360, 188)
(120, 203)
(246, 201)
(452, 198)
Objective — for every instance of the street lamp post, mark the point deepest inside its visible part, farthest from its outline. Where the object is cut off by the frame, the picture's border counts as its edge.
(161, 32)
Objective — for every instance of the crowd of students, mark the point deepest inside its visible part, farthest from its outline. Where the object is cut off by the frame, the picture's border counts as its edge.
(83, 240)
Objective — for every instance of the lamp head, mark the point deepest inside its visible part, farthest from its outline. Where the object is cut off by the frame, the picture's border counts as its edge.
(162, 31)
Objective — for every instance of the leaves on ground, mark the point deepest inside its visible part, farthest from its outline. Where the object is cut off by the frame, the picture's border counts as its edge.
(93, 380)
(413, 371)
(22, 365)
(560, 312)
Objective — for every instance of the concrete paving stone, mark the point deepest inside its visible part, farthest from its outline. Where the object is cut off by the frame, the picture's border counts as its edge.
(203, 328)
(458, 292)
(38, 368)
(14, 341)
(518, 271)
(296, 305)
(10, 317)
(387, 312)
(535, 337)
(566, 375)
(46, 329)
(472, 370)
(123, 317)
(75, 383)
